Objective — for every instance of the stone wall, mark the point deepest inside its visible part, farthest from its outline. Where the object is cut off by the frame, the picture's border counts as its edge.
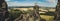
(3, 10)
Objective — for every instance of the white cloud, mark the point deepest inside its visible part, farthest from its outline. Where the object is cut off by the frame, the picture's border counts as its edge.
(16, 3)
(52, 1)
(7, 0)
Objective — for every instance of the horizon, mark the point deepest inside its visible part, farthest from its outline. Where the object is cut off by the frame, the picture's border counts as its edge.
(25, 6)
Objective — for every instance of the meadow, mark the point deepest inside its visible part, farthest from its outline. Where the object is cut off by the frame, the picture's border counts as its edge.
(47, 18)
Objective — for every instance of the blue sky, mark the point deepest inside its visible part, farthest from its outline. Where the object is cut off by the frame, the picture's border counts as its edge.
(47, 3)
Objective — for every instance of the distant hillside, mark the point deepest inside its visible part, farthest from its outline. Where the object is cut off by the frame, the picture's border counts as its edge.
(28, 7)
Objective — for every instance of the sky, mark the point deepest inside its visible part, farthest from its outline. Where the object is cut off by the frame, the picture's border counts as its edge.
(46, 3)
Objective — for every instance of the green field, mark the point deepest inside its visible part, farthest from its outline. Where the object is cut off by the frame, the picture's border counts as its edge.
(47, 18)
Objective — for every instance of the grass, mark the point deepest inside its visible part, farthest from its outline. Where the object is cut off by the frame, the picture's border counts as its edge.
(47, 18)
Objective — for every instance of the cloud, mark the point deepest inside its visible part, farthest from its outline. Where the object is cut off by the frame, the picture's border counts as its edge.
(49, 3)
(7, 0)
(16, 3)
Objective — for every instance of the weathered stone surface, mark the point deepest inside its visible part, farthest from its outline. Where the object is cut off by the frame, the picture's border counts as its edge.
(57, 13)
(36, 12)
(3, 10)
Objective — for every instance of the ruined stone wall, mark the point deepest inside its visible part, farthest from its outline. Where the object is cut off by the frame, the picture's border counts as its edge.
(57, 12)
(3, 10)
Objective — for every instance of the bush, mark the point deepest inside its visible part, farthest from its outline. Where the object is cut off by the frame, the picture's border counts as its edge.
(42, 14)
(50, 13)
(15, 14)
